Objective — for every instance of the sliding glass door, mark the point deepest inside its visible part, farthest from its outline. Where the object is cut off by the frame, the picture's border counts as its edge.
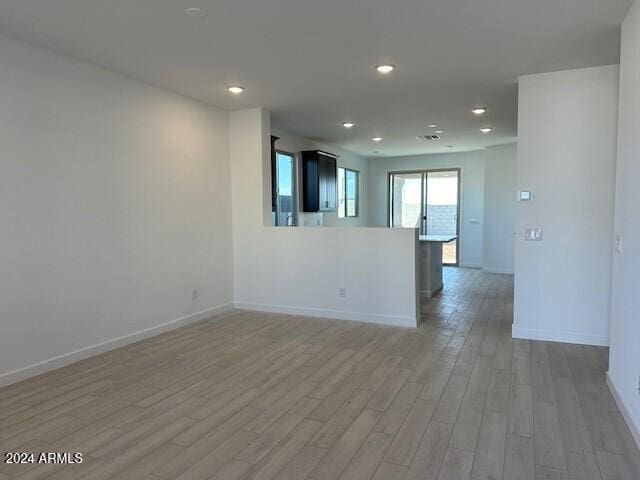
(428, 200)
(406, 200)
(442, 210)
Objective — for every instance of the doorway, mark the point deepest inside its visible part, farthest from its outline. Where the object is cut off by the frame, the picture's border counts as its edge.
(430, 201)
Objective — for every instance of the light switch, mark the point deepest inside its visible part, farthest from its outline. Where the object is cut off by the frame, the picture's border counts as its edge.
(617, 244)
(533, 234)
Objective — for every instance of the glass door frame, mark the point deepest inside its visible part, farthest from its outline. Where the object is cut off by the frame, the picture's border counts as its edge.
(423, 203)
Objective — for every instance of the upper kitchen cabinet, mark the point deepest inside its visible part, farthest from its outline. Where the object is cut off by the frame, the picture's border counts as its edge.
(319, 181)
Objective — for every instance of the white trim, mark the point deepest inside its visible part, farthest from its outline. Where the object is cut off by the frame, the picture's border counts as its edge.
(635, 432)
(430, 293)
(559, 336)
(469, 265)
(391, 320)
(501, 271)
(92, 350)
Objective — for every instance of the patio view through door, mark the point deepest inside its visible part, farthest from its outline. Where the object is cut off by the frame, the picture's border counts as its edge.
(428, 200)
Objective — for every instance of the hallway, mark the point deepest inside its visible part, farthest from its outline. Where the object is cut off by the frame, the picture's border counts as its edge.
(548, 401)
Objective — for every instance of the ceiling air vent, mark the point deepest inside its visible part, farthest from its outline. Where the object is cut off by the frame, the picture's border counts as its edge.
(428, 137)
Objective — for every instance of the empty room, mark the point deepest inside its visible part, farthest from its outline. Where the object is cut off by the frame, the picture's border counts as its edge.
(319, 240)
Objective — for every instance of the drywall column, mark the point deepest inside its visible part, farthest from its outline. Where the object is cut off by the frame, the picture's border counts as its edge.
(499, 208)
(624, 354)
(250, 190)
(566, 156)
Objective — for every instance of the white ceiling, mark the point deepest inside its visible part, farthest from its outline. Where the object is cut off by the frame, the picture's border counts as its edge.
(311, 61)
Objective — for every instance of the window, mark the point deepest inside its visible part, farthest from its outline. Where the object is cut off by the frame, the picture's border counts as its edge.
(285, 192)
(348, 192)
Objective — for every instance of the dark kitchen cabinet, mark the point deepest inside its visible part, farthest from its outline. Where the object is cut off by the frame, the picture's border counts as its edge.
(319, 181)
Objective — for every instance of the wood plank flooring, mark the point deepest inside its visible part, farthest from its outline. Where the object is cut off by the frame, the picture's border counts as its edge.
(264, 396)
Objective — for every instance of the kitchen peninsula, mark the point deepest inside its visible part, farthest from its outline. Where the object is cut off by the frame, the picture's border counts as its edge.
(430, 259)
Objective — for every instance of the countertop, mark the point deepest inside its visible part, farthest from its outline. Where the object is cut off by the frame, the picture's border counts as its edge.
(437, 238)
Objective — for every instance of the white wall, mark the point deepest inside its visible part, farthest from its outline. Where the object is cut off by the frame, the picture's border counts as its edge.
(300, 270)
(624, 354)
(499, 208)
(566, 155)
(295, 144)
(472, 195)
(115, 204)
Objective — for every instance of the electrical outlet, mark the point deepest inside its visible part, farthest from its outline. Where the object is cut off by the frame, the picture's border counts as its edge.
(533, 234)
(194, 294)
(342, 292)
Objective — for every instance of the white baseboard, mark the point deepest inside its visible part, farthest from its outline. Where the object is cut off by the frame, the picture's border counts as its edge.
(501, 271)
(430, 293)
(633, 428)
(86, 352)
(558, 336)
(391, 320)
(470, 265)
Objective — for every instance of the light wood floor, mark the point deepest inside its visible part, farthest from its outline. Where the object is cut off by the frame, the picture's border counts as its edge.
(257, 396)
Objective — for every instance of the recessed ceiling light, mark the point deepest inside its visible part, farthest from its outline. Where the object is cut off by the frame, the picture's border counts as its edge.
(195, 12)
(433, 125)
(384, 69)
(377, 139)
(439, 131)
(236, 89)
(348, 124)
(486, 130)
(479, 110)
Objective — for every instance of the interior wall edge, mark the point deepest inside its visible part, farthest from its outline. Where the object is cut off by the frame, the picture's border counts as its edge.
(626, 414)
(60, 361)
(624, 354)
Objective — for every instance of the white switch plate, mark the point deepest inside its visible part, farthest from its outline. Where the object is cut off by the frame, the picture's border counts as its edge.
(525, 195)
(617, 244)
(533, 234)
